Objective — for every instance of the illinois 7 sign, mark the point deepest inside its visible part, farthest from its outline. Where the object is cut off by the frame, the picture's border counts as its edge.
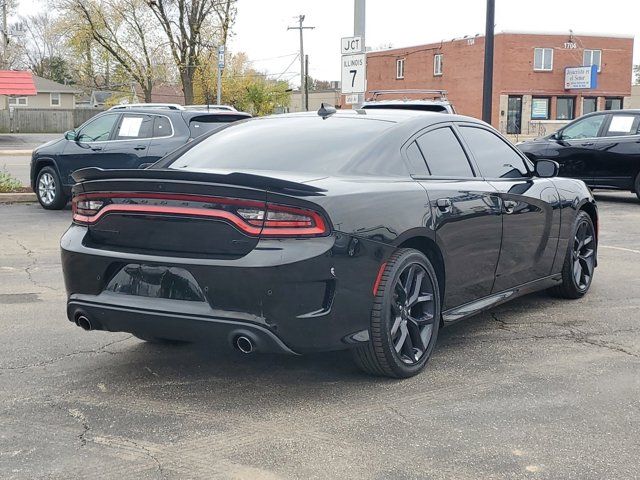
(354, 73)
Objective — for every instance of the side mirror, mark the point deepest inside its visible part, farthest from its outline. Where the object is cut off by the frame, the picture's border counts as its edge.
(70, 135)
(558, 135)
(547, 168)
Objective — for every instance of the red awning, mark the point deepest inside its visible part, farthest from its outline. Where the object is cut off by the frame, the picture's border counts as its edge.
(16, 83)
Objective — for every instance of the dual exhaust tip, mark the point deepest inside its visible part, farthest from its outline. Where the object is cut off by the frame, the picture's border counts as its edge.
(242, 343)
(84, 323)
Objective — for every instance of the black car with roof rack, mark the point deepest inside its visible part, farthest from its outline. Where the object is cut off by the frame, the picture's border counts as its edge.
(131, 137)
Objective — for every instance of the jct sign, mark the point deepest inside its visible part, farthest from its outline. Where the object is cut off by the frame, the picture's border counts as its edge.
(580, 77)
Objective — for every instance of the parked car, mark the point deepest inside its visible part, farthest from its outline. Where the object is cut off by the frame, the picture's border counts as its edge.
(298, 233)
(118, 138)
(601, 148)
(438, 102)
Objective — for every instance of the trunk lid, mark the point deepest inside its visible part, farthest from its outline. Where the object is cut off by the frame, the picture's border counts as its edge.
(176, 213)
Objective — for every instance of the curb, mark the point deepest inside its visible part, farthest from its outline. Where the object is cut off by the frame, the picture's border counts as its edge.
(23, 197)
(16, 152)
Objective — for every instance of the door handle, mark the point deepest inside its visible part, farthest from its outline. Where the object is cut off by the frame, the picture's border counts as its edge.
(443, 204)
(96, 149)
(140, 147)
(587, 144)
(509, 206)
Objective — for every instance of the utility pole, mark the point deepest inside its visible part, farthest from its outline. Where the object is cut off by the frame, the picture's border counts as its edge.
(487, 85)
(306, 81)
(302, 70)
(359, 27)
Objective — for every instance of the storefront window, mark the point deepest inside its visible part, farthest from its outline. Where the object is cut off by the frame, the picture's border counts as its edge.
(565, 108)
(613, 104)
(540, 108)
(589, 105)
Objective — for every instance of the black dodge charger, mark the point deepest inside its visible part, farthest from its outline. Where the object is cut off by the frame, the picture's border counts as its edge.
(338, 230)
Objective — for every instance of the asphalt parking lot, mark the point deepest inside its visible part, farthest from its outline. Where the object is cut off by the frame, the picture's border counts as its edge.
(538, 388)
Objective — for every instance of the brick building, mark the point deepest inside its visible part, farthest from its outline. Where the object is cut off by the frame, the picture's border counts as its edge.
(529, 95)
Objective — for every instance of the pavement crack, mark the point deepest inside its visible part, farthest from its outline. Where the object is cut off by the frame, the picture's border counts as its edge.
(502, 325)
(150, 455)
(574, 335)
(101, 349)
(28, 269)
(78, 415)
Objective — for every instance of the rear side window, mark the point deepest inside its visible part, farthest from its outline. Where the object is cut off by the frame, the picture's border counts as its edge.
(134, 126)
(205, 123)
(290, 144)
(162, 127)
(495, 158)
(621, 125)
(444, 154)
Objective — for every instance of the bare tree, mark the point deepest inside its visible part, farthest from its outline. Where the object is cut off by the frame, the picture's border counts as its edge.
(190, 26)
(125, 30)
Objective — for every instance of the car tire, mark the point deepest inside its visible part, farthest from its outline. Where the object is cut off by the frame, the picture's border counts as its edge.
(159, 341)
(404, 326)
(579, 261)
(49, 189)
(637, 186)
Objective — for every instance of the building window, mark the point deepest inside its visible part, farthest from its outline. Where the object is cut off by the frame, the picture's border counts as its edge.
(400, 68)
(543, 59)
(589, 105)
(437, 65)
(18, 101)
(613, 103)
(540, 108)
(565, 108)
(55, 99)
(592, 57)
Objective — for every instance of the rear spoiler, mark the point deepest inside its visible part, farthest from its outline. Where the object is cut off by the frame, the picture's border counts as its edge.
(234, 178)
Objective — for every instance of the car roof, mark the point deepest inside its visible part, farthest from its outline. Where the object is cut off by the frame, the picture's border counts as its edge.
(183, 113)
(389, 115)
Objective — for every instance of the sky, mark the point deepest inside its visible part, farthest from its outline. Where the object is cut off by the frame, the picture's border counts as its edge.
(261, 26)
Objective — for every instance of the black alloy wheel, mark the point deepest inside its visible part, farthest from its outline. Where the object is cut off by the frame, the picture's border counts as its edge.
(584, 255)
(412, 313)
(580, 260)
(405, 318)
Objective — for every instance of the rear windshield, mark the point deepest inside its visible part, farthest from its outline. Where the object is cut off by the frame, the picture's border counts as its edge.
(291, 144)
(205, 123)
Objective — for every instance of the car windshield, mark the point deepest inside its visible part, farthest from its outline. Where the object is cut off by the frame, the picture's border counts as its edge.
(293, 144)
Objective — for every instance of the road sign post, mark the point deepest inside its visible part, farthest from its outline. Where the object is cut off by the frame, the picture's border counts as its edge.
(220, 67)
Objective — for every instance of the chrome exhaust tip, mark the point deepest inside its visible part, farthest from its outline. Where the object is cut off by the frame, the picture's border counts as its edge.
(84, 323)
(244, 344)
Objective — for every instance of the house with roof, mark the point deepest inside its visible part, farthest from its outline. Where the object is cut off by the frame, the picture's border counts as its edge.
(48, 94)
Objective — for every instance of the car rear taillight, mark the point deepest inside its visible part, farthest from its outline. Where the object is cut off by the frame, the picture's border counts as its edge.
(250, 216)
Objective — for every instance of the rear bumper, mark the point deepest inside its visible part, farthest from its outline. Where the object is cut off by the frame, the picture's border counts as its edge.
(170, 319)
(288, 296)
